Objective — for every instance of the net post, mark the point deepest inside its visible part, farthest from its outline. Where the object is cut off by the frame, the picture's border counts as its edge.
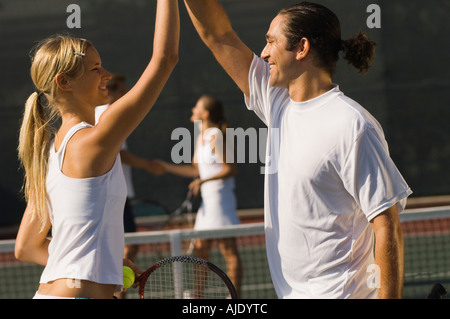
(175, 244)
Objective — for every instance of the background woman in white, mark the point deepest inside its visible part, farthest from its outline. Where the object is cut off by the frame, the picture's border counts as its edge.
(215, 178)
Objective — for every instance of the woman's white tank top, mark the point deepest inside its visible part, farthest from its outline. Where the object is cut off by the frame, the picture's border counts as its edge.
(87, 222)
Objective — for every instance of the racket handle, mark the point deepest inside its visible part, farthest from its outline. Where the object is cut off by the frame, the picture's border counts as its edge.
(437, 292)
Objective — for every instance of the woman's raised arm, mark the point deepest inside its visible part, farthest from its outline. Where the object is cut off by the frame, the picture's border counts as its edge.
(123, 116)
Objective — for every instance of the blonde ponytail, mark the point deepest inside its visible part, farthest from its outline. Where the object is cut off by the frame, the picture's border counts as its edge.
(34, 140)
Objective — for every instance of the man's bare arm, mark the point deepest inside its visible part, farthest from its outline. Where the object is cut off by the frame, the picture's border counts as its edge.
(389, 253)
(214, 27)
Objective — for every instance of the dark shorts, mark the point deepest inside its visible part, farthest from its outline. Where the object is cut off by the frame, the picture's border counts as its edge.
(129, 224)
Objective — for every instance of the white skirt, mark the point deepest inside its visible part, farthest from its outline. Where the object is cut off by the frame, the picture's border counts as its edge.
(218, 207)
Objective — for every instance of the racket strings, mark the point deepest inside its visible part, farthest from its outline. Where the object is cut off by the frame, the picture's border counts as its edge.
(185, 280)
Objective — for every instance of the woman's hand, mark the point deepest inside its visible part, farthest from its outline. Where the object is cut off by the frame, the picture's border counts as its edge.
(195, 186)
(137, 271)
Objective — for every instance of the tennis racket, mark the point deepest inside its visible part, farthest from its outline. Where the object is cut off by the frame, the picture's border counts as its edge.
(185, 277)
(156, 216)
(186, 208)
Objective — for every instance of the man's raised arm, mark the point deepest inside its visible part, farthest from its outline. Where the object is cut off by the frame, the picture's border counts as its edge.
(214, 27)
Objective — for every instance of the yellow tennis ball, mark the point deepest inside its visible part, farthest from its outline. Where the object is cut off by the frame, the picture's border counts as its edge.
(128, 277)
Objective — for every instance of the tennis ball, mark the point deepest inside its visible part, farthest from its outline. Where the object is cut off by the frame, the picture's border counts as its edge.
(128, 277)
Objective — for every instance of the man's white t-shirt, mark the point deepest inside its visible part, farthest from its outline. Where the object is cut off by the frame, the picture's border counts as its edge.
(328, 173)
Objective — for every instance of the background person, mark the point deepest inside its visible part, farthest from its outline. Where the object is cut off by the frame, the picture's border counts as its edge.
(215, 178)
(116, 89)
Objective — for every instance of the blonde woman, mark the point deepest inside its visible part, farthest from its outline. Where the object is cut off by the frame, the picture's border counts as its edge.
(74, 181)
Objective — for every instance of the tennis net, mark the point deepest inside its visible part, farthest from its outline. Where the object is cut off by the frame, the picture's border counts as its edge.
(427, 255)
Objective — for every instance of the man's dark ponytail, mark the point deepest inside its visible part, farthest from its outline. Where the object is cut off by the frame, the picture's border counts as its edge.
(359, 51)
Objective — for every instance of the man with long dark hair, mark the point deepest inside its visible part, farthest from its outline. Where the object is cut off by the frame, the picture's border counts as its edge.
(334, 185)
